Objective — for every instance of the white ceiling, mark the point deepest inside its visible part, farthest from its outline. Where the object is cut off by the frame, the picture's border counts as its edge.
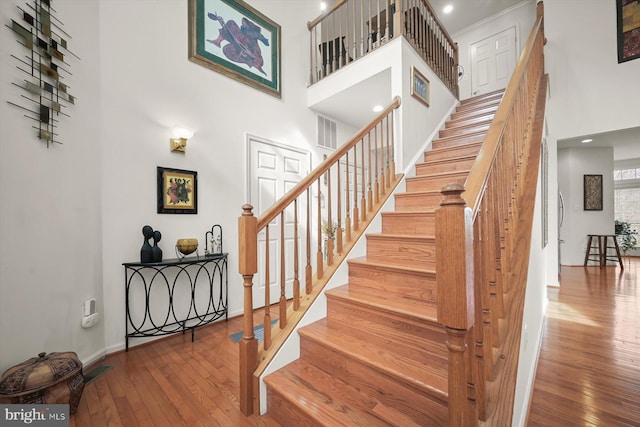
(622, 141)
(468, 12)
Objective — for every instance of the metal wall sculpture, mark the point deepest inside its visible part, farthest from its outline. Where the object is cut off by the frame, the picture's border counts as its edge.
(45, 68)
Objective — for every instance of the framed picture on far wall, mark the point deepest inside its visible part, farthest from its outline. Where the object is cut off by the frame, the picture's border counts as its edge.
(234, 39)
(593, 192)
(177, 191)
(419, 86)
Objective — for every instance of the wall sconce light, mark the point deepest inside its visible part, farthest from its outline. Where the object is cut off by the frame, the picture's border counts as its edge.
(179, 141)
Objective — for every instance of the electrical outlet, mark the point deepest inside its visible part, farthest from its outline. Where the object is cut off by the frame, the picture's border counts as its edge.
(89, 307)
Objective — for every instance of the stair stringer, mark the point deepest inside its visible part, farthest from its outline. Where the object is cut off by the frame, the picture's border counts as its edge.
(290, 350)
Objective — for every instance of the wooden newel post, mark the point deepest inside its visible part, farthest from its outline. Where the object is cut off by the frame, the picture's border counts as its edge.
(454, 275)
(248, 260)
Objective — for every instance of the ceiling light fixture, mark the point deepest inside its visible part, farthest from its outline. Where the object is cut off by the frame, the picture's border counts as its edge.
(448, 9)
(323, 5)
(585, 141)
(377, 108)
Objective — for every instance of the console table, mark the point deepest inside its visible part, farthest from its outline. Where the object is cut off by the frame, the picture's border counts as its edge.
(174, 295)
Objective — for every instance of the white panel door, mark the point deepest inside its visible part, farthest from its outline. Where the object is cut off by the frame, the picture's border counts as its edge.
(493, 61)
(274, 169)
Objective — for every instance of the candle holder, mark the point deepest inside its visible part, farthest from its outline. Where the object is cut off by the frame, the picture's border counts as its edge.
(213, 241)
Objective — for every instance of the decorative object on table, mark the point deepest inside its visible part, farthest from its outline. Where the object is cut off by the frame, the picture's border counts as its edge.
(628, 13)
(234, 39)
(54, 378)
(419, 86)
(155, 250)
(177, 191)
(185, 247)
(146, 252)
(213, 240)
(45, 67)
(593, 192)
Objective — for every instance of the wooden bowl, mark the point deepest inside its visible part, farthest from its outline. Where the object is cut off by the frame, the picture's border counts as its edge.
(187, 246)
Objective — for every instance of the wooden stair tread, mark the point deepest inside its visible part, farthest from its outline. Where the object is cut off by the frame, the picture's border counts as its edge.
(404, 237)
(324, 397)
(481, 123)
(454, 147)
(447, 160)
(387, 301)
(479, 116)
(391, 266)
(439, 175)
(494, 93)
(386, 328)
(391, 361)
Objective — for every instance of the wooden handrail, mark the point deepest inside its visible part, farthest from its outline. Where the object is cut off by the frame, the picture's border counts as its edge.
(361, 201)
(478, 173)
(326, 13)
(481, 285)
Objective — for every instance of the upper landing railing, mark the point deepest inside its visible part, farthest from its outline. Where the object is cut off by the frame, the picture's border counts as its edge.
(350, 29)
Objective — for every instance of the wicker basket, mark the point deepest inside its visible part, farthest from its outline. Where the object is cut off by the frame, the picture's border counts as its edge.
(47, 379)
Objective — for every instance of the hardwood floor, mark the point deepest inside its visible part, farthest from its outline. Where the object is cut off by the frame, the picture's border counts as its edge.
(171, 382)
(589, 368)
(588, 373)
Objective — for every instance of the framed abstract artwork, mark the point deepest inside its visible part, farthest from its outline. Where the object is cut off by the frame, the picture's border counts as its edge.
(593, 192)
(234, 39)
(177, 191)
(628, 14)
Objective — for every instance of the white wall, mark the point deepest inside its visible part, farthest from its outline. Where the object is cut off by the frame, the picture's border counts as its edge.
(522, 15)
(573, 164)
(51, 252)
(533, 316)
(148, 86)
(591, 92)
(74, 213)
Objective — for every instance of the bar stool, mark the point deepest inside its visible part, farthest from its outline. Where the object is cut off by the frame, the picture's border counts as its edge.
(602, 245)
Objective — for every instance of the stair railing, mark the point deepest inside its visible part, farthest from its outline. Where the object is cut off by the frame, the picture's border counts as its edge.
(340, 196)
(483, 235)
(351, 29)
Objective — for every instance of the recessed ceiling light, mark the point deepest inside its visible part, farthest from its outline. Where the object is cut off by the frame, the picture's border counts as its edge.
(448, 8)
(585, 141)
(323, 5)
(377, 108)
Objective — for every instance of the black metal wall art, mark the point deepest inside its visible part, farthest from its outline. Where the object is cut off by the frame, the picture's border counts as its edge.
(45, 67)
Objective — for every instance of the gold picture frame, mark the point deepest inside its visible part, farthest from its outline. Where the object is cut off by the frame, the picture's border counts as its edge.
(177, 191)
(419, 86)
(234, 39)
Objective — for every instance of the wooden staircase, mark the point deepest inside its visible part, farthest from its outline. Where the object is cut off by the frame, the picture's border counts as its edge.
(379, 357)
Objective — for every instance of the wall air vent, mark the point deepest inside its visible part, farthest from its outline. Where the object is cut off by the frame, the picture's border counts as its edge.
(326, 133)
